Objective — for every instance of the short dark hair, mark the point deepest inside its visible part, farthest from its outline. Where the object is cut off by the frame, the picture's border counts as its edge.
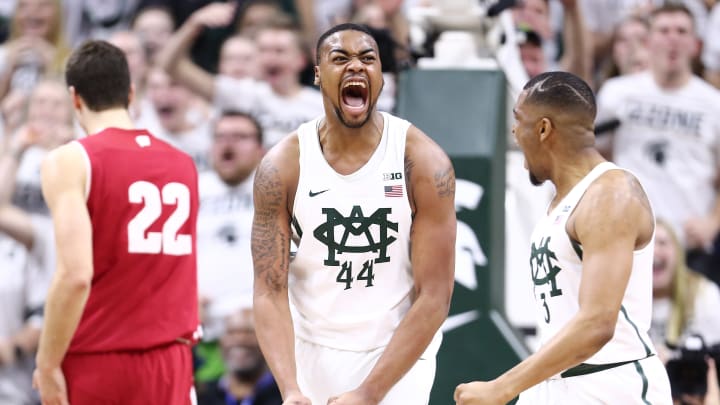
(249, 117)
(562, 91)
(338, 28)
(100, 75)
(669, 8)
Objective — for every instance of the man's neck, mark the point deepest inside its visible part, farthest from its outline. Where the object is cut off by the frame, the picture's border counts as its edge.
(672, 80)
(114, 118)
(570, 171)
(179, 128)
(286, 88)
(346, 138)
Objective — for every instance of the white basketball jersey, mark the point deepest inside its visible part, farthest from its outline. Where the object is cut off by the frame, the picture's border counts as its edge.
(350, 281)
(556, 270)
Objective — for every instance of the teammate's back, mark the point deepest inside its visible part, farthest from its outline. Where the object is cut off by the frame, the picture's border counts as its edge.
(142, 200)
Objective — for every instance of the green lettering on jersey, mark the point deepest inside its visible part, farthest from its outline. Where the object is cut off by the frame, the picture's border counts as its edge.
(543, 270)
(358, 225)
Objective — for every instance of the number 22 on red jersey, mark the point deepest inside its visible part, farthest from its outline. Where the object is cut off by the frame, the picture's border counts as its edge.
(168, 241)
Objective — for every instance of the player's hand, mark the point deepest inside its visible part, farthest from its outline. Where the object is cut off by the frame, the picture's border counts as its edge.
(51, 386)
(700, 232)
(214, 15)
(296, 398)
(355, 397)
(479, 393)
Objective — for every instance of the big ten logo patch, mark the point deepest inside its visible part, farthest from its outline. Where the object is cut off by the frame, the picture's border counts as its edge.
(392, 176)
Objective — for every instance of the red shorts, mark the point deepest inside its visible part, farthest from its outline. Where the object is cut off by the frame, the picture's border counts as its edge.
(157, 376)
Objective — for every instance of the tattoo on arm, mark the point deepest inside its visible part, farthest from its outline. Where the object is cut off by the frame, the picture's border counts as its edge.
(445, 182)
(270, 245)
(409, 165)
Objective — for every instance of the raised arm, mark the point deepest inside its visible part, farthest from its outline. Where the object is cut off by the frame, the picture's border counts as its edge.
(15, 222)
(606, 239)
(174, 57)
(271, 255)
(577, 57)
(63, 184)
(431, 188)
(306, 13)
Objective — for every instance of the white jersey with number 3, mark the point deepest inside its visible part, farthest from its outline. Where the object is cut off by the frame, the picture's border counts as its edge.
(557, 269)
(350, 281)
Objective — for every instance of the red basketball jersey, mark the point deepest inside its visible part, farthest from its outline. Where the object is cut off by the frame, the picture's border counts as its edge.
(143, 202)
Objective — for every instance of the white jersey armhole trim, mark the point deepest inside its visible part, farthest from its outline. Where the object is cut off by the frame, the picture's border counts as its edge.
(88, 170)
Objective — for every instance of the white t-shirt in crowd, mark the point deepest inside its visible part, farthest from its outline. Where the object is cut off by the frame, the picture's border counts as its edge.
(279, 116)
(225, 269)
(670, 139)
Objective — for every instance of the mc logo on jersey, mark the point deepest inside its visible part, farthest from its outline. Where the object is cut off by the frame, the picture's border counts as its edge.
(356, 225)
(544, 271)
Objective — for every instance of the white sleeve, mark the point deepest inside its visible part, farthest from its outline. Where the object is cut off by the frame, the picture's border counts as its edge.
(235, 94)
(711, 46)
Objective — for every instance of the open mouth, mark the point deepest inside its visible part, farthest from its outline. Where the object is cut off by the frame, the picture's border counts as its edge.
(272, 72)
(658, 266)
(165, 111)
(227, 156)
(354, 94)
(34, 24)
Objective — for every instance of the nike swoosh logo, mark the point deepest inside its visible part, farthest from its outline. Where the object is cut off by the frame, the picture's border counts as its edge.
(458, 320)
(319, 192)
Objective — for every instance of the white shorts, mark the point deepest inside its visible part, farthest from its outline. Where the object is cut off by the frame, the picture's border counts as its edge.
(642, 382)
(323, 372)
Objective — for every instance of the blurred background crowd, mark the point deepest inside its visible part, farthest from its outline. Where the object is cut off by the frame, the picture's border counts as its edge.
(224, 81)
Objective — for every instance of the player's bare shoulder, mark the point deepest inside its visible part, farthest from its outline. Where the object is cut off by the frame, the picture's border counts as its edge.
(66, 163)
(617, 200)
(623, 188)
(427, 162)
(277, 175)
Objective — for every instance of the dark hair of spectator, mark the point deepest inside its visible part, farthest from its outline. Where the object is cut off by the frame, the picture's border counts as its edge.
(670, 8)
(339, 28)
(562, 91)
(611, 69)
(99, 73)
(249, 117)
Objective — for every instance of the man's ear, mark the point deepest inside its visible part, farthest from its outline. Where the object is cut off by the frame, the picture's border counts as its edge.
(544, 128)
(317, 76)
(75, 98)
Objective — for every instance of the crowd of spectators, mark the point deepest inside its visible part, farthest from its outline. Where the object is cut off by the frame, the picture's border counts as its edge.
(224, 81)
